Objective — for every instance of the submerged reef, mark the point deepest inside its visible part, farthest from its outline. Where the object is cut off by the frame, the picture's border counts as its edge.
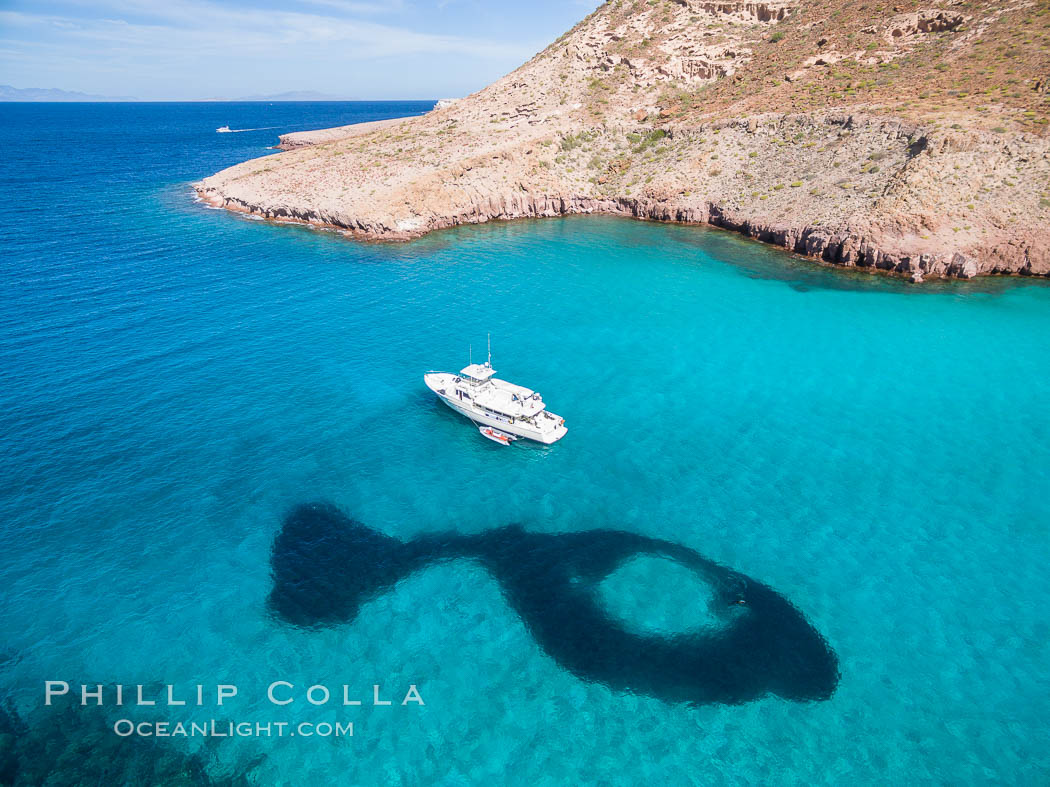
(72, 744)
(326, 565)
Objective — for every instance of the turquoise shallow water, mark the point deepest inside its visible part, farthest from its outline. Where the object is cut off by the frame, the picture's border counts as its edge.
(175, 379)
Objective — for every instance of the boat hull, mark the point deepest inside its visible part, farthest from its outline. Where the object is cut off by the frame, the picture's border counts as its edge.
(437, 382)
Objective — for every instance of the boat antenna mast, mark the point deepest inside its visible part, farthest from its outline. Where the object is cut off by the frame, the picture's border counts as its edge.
(490, 350)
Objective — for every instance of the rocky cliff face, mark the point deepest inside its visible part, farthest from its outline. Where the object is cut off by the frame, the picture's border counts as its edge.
(765, 118)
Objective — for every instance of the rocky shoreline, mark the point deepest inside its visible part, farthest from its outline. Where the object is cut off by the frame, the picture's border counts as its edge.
(577, 131)
(842, 249)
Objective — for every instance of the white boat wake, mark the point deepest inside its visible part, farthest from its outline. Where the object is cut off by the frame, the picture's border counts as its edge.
(228, 130)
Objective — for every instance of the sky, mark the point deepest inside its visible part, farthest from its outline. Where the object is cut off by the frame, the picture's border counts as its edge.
(195, 49)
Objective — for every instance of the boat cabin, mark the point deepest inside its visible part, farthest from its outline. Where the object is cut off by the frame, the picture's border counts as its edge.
(478, 372)
(497, 396)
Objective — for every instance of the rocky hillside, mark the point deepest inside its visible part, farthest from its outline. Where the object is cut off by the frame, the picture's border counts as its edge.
(906, 137)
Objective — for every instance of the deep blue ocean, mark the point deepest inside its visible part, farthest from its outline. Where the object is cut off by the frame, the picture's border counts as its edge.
(175, 380)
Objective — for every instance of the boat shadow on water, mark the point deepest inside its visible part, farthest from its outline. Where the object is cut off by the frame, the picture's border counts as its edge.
(326, 566)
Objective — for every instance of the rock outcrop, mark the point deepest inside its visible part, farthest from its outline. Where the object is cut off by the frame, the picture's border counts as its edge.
(304, 139)
(648, 110)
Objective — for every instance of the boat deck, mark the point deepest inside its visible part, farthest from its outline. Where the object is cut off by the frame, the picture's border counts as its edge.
(508, 398)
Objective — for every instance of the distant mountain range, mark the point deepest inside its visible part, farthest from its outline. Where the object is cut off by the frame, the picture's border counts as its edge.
(8, 93)
(291, 95)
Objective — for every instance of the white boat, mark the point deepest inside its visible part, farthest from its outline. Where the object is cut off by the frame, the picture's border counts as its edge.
(508, 408)
(224, 130)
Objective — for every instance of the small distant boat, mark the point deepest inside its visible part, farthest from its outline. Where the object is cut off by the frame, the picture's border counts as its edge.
(224, 130)
(496, 436)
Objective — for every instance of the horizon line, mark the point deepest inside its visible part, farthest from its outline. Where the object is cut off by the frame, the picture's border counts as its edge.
(225, 101)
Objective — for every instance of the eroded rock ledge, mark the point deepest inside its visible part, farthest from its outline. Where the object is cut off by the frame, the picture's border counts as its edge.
(846, 248)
